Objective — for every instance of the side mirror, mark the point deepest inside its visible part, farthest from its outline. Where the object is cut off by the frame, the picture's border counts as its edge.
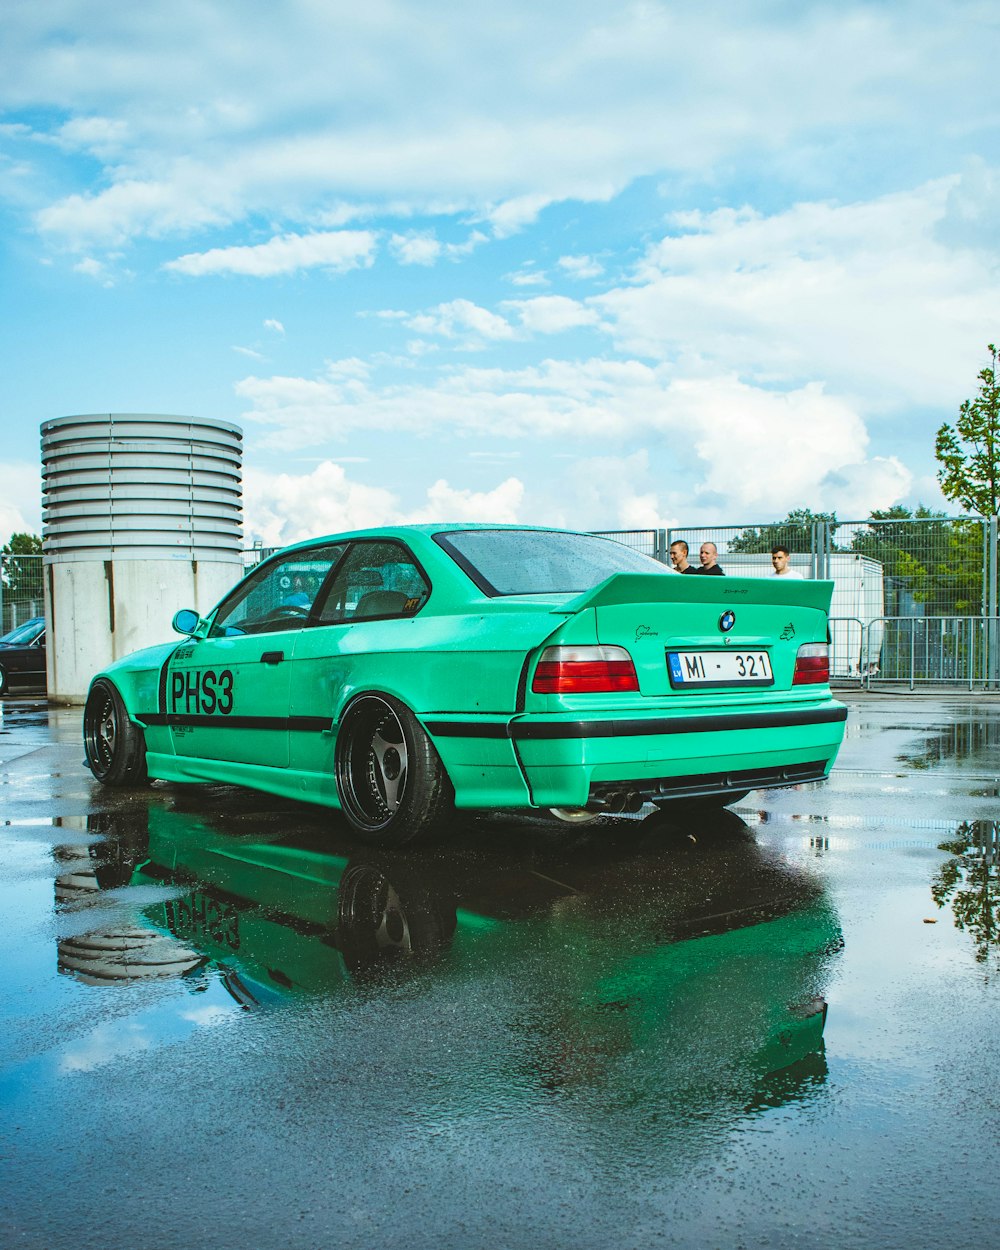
(186, 621)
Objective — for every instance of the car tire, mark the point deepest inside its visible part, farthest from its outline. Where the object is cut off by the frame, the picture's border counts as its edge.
(3, 680)
(392, 786)
(115, 747)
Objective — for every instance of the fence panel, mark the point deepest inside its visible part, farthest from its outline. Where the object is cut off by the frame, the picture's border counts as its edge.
(941, 650)
(649, 542)
(21, 590)
(930, 566)
(914, 603)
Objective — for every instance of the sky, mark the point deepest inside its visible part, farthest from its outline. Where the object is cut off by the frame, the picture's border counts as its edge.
(598, 265)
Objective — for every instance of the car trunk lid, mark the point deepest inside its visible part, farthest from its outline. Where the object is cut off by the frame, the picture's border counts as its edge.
(692, 635)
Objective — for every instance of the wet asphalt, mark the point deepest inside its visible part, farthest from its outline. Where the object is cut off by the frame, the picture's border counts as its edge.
(225, 1024)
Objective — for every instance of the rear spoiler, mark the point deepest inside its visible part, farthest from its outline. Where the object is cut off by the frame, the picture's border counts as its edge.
(623, 588)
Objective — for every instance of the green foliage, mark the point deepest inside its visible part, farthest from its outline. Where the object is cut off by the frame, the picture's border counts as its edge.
(22, 577)
(926, 557)
(970, 884)
(22, 545)
(969, 453)
(795, 532)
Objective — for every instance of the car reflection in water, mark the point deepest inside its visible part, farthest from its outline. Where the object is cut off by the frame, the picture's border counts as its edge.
(684, 953)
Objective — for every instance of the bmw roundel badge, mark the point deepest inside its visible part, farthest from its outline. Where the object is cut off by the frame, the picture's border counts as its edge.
(726, 621)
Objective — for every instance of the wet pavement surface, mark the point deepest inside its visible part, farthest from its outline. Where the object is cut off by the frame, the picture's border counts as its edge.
(226, 1024)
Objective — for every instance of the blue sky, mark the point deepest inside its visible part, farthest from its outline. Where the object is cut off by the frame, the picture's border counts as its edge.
(586, 264)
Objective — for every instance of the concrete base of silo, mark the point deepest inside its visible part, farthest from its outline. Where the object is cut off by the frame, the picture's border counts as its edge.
(102, 610)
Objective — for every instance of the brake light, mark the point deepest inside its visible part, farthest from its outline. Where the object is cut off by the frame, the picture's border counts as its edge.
(812, 664)
(584, 670)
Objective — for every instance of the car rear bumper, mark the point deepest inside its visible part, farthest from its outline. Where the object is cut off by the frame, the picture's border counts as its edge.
(570, 762)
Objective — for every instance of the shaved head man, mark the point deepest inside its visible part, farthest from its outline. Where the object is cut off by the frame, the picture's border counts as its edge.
(709, 557)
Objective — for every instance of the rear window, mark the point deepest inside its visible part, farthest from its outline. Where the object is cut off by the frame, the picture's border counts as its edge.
(540, 562)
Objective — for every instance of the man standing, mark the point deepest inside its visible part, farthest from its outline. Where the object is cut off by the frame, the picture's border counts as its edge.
(679, 557)
(779, 562)
(709, 557)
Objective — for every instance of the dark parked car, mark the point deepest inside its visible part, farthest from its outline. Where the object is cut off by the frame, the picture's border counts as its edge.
(22, 655)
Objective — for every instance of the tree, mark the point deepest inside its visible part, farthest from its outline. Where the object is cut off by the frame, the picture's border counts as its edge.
(969, 881)
(795, 532)
(927, 559)
(22, 577)
(969, 454)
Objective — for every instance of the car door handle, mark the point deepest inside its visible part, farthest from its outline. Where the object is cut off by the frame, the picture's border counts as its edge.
(272, 657)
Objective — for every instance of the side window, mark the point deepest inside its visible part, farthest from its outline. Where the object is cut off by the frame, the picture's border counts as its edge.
(278, 596)
(376, 579)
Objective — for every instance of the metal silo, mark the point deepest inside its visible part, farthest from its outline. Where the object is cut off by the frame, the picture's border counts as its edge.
(142, 516)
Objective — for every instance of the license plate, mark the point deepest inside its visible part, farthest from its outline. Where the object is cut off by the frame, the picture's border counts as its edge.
(719, 668)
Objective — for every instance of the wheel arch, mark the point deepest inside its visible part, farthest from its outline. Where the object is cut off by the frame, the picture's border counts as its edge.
(354, 694)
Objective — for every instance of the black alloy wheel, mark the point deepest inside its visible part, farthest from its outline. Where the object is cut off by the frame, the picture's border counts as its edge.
(115, 747)
(390, 780)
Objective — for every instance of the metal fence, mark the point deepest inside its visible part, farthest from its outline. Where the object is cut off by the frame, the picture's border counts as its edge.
(21, 590)
(915, 600)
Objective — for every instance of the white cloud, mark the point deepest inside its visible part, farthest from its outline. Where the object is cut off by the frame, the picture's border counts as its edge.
(581, 266)
(470, 324)
(973, 208)
(514, 214)
(20, 500)
(552, 314)
(105, 1043)
(271, 324)
(719, 442)
(422, 247)
(460, 318)
(448, 503)
(338, 250)
(104, 137)
(417, 248)
(498, 119)
(284, 508)
(527, 277)
(134, 206)
(862, 295)
(90, 267)
(618, 488)
(767, 452)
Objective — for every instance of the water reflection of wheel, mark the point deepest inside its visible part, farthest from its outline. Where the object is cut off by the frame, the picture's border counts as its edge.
(115, 747)
(385, 923)
(715, 824)
(392, 786)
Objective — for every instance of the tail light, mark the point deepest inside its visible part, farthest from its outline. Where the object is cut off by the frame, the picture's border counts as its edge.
(584, 670)
(812, 664)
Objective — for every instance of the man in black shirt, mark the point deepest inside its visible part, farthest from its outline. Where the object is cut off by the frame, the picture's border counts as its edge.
(679, 557)
(709, 557)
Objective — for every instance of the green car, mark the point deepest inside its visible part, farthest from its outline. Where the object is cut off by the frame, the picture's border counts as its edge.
(399, 673)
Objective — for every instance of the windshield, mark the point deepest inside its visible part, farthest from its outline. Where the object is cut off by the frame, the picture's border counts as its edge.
(539, 562)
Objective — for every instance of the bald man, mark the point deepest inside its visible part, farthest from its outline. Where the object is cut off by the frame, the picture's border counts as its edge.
(708, 554)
